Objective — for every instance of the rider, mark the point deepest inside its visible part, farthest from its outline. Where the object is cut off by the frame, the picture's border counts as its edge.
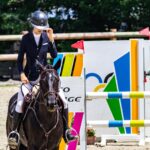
(35, 45)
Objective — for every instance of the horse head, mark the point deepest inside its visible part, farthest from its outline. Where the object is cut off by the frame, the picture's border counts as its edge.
(49, 86)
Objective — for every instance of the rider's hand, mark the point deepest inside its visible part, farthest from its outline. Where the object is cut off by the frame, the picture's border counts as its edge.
(23, 78)
(50, 34)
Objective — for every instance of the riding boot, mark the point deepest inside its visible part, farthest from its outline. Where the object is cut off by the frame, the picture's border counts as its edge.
(14, 137)
(68, 137)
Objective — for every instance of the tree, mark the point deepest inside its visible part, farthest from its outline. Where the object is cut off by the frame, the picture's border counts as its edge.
(75, 16)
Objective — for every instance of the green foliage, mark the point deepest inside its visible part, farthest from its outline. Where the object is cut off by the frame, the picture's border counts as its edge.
(90, 132)
(80, 16)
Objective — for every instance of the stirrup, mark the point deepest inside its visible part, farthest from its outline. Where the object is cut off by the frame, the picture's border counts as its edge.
(13, 141)
(68, 130)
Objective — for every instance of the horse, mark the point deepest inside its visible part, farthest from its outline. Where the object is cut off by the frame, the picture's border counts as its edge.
(42, 125)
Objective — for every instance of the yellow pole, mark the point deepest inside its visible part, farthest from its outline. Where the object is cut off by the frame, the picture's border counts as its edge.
(134, 81)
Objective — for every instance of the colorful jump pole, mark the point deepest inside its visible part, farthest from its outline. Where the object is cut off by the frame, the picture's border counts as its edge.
(105, 95)
(120, 123)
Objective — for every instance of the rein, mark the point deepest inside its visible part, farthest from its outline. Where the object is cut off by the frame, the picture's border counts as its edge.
(49, 92)
(46, 133)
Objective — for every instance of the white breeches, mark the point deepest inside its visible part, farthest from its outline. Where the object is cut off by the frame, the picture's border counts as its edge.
(24, 90)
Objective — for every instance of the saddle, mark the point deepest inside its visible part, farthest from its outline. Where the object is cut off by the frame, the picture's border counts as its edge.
(13, 105)
(27, 100)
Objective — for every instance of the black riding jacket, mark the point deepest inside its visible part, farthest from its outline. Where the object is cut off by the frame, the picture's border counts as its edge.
(28, 46)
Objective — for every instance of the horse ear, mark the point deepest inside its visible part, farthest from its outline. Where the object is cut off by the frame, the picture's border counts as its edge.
(57, 65)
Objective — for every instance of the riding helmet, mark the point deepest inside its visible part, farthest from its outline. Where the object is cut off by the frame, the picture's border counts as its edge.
(39, 19)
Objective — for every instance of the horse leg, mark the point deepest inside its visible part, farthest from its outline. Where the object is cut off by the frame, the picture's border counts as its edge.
(32, 147)
(56, 148)
(22, 147)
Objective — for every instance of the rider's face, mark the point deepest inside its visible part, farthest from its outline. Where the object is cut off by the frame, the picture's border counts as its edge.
(37, 31)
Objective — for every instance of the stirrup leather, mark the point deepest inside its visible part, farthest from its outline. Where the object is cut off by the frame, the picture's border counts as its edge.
(13, 139)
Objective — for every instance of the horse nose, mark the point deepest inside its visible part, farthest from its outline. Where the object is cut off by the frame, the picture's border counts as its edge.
(51, 108)
(51, 105)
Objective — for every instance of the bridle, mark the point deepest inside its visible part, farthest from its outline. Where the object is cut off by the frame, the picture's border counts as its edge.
(46, 133)
(57, 79)
(49, 70)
